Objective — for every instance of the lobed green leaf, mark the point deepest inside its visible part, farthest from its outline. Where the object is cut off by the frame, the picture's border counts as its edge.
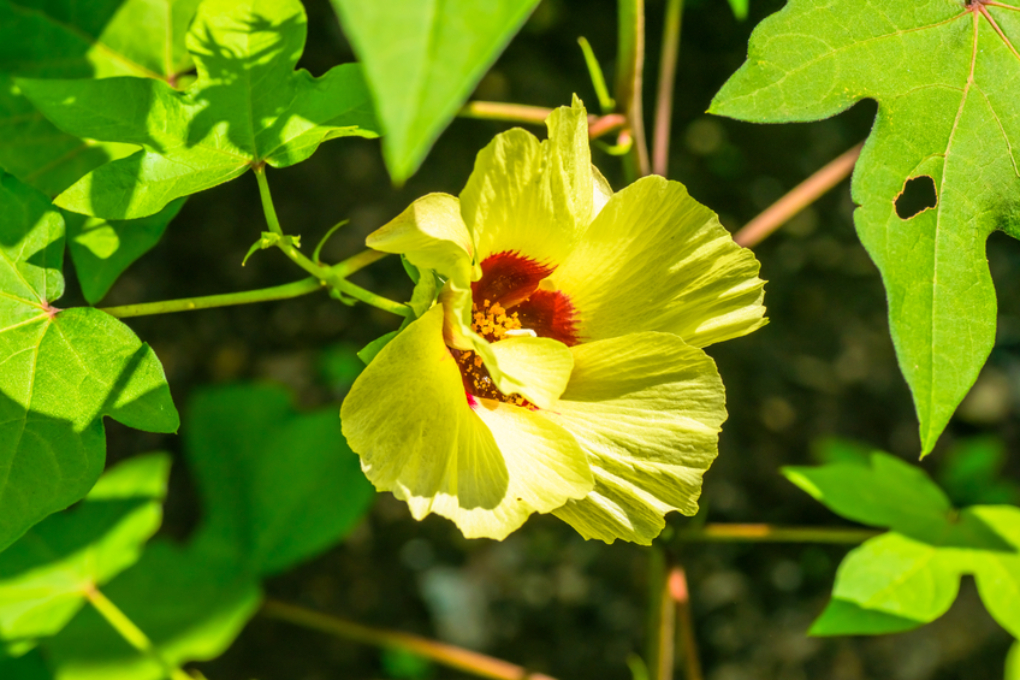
(44, 576)
(943, 75)
(63, 371)
(191, 602)
(279, 486)
(247, 107)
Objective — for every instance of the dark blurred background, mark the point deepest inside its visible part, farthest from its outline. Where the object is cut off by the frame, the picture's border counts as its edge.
(545, 598)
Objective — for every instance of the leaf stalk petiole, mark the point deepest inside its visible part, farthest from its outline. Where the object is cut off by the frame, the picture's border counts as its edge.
(131, 633)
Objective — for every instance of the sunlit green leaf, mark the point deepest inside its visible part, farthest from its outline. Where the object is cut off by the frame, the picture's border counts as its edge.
(191, 602)
(44, 576)
(910, 576)
(849, 618)
(889, 493)
(62, 372)
(279, 485)
(896, 576)
(422, 59)
(943, 74)
(68, 39)
(998, 572)
(1013, 662)
(103, 249)
(247, 107)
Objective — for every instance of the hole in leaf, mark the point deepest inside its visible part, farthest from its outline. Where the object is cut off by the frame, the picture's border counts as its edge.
(917, 196)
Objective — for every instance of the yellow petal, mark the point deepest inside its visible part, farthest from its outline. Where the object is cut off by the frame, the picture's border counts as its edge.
(531, 197)
(655, 259)
(646, 408)
(431, 233)
(408, 418)
(536, 368)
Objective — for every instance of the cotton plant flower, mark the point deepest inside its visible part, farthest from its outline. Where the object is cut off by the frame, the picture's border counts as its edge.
(561, 369)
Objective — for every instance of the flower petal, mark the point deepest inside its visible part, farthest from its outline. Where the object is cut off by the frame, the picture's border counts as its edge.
(431, 233)
(531, 197)
(655, 259)
(408, 418)
(536, 368)
(547, 466)
(646, 408)
(602, 191)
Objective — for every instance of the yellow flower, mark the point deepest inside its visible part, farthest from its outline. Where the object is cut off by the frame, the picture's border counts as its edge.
(562, 369)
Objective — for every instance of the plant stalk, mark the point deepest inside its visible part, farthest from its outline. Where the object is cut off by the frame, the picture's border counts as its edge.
(680, 595)
(267, 200)
(630, 65)
(284, 292)
(325, 274)
(663, 643)
(800, 197)
(768, 533)
(131, 633)
(667, 83)
(448, 655)
(536, 115)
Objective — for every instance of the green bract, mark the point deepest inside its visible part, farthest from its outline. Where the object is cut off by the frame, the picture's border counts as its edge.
(62, 372)
(562, 370)
(247, 107)
(943, 74)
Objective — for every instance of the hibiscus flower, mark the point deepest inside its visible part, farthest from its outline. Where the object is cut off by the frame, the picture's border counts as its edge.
(562, 368)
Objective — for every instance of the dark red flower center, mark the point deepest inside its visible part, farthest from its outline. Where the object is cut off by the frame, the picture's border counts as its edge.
(506, 302)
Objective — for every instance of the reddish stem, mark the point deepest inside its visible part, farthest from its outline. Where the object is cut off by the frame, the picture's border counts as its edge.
(803, 195)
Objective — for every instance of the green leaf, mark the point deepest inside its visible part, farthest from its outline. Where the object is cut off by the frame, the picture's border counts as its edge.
(998, 572)
(247, 107)
(278, 485)
(191, 602)
(44, 576)
(1013, 662)
(67, 39)
(340, 366)
(894, 576)
(739, 8)
(103, 249)
(62, 372)
(29, 667)
(422, 59)
(910, 576)
(943, 80)
(888, 493)
(971, 473)
(849, 618)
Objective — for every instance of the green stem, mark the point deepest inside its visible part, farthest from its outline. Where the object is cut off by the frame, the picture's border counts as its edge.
(454, 657)
(667, 82)
(662, 613)
(326, 275)
(768, 533)
(131, 633)
(267, 200)
(630, 65)
(286, 291)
